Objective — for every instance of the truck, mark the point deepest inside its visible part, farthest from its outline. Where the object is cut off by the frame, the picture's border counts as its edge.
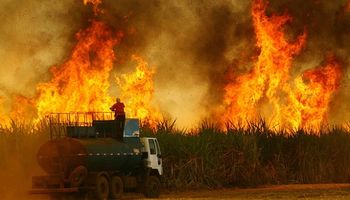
(94, 157)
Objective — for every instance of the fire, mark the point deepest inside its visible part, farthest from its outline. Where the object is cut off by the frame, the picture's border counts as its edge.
(268, 90)
(22, 110)
(137, 91)
(82, 83)
(312, 99)
(3, 116)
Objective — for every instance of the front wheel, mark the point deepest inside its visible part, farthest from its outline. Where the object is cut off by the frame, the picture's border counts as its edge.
(152, 187)
(102, 188)
(116, 187)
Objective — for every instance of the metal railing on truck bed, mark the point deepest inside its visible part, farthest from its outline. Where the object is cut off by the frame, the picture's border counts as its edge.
(59, 122)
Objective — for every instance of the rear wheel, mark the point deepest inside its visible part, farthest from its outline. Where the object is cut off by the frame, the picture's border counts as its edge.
(116, 187)
(102, 188)
(152, 187)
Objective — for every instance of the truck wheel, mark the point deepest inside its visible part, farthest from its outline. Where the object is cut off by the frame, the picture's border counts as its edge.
(102, 188)
(116, 187)
(78, 176)
(152, 187)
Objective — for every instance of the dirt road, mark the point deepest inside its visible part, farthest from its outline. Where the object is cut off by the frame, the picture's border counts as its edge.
(284, 192)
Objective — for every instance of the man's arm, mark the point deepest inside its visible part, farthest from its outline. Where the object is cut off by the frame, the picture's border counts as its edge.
(112, 108)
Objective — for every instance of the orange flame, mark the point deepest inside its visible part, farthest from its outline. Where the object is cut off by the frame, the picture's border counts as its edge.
(312, 99)
(137, 91)
(82, 83)
(267, 90)
(3, 116)
(23, 109)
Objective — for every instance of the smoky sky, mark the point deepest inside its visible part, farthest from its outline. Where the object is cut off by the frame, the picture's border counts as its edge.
(191, 43)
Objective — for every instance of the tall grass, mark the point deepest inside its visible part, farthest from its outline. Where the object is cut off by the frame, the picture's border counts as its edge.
(18, 146)
(210, 157)
(19, 143)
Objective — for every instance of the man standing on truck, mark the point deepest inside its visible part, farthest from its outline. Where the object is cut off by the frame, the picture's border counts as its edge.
(119, 113)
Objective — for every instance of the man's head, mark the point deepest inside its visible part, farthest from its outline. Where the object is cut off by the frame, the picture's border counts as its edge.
(118, 100)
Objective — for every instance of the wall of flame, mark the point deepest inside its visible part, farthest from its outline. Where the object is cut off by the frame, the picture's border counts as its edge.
(283, 61)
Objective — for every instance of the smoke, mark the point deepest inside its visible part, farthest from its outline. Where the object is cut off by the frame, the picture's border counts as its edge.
(327, 25)
(34, 36)
(18, 161)
(191, 43)
(16, 180)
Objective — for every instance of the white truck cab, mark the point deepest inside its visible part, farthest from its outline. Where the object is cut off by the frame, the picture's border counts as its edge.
(154, 155)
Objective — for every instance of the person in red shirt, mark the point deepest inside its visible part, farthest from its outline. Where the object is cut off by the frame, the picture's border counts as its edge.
(119, 113)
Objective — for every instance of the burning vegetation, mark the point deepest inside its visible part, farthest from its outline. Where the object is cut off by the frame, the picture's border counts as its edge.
(266, 87)
(137, 90)
(82, 83)
(277, 79)
(270, 92)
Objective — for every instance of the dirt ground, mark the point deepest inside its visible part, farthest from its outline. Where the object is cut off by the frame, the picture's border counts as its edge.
(295, 191)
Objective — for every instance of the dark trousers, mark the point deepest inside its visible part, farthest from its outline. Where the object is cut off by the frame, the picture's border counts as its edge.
(120, 119)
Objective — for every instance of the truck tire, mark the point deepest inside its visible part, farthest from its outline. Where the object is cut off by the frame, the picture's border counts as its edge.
(152, 187)
(102, 188)
(116, 187)
(78, 176)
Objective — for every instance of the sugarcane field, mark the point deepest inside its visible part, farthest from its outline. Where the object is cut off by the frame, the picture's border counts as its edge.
(182, 99)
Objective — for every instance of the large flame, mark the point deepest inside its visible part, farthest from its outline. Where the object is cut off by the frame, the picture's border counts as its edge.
(313, 91)
(22, 109)
(137, 89)
(82, 83)
(268, 90)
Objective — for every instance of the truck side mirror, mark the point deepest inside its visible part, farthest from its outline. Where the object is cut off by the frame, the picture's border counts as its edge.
(159, 156)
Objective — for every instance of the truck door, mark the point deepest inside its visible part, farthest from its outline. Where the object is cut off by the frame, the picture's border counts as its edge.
(155, 155)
